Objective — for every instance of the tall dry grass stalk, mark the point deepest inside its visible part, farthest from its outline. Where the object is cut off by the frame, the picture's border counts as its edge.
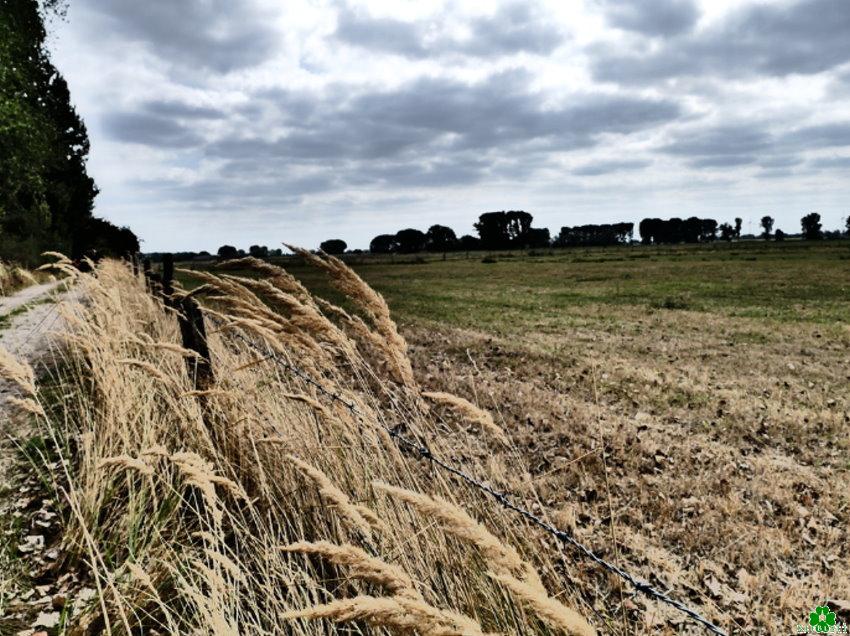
(471, 412)
(178, 503)
(373, 305)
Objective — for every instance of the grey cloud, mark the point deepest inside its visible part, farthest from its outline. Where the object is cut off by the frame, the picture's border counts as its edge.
(730, 141)
(232, 190)
(748, 143)
(780, 161)
(774, 173)
(805, 37)
(598, 168)
(427, 133)
(842, 163)
(381, 34)
(150, 130)
(652, 17)
(819, 136)
(513, 28)
(443, 117)
(219, 35)
(502, 110)
(181, 110)
(521, 26)
(722, 161)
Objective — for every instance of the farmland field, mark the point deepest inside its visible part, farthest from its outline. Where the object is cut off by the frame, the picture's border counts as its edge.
(682, 410)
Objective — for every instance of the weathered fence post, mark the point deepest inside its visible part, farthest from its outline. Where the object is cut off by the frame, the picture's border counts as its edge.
(168, 279)
(194, 337)
(134, 260)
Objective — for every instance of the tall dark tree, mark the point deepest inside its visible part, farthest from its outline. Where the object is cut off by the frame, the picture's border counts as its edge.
(227, 251)
(648, 229)
(333, 246)
(675, 230)
(46, 194)
(519, 223)
(727, 232)
(738, 223)
(492, 228)
(440, 238)
(258, 251)
(708, 230)
(598, 235)
(779, 235)
(811, 227)
(410, 241)
(538, 237)
(847, 226)
(503, 230)
(469, 243)
(767, 225)
(383, 244)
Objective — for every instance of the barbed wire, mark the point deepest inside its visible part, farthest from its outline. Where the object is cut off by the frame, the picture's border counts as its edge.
(502, 498)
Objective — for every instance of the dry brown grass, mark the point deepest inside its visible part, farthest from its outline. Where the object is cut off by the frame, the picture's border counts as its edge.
(726, 443)
(177, 504)
(13, 278)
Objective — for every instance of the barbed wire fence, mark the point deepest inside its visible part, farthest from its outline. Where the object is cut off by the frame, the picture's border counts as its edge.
(503, 498)
(195, 338)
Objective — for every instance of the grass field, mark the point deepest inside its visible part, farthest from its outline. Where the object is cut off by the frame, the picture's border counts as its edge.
(789, 282)
(681, 411)
(684, 409)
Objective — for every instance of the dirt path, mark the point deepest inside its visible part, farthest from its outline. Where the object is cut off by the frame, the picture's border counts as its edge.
(28, 324)
(24, 315)
(27, 321)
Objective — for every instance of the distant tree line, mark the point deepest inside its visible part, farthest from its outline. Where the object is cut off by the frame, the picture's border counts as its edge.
(496, 230)
(675, 230)
(46, 194)
(595, 235)
(513, 229)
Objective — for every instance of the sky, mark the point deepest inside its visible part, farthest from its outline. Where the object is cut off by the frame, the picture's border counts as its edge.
(258, 121)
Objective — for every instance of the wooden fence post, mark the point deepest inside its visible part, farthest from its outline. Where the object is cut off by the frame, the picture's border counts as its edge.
(195, 339)
(168, 279)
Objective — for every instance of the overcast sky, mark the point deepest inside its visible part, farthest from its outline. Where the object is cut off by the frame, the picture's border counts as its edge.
(254, 121)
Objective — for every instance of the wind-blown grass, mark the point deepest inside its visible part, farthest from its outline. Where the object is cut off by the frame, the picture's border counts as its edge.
(260, 506)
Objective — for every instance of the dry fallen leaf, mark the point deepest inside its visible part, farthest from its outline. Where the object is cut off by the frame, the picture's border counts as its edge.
(47, 619)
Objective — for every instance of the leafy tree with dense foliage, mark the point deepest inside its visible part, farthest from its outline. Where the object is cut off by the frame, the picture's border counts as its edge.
(596, 235)
(767, 226)
(227, 251)
(675, 230)
(738, 223)
(333, 246)
(779, 235)
(410, 241)
(811, 227)
(258, 251)
(46, 194)
(727, 232)
(538, 237)
(383, 244)
(470, 243)
(440, 238)
(504, 230)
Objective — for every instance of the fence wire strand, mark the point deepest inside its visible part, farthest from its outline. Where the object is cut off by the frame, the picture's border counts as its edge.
(502, 498)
